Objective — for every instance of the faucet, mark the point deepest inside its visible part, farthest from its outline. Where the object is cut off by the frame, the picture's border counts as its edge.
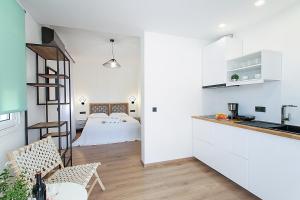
(283, 109)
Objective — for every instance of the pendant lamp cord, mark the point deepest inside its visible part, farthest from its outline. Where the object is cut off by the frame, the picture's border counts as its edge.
(112, 50)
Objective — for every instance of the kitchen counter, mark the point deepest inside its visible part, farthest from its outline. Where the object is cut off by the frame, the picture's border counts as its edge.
(263, 130)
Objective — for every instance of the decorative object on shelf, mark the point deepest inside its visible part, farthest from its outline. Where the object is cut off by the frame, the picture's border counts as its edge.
(235, 77)
(112, 63)
(132, 99)
(82, 100)
(13, 188)
(39, 189)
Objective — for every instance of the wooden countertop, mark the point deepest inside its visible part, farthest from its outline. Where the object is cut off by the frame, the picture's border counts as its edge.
(263, 130)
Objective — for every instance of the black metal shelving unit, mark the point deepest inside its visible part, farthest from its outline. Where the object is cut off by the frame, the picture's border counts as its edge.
(62, 93)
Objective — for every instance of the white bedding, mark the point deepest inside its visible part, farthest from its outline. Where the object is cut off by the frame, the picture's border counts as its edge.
(106, 130)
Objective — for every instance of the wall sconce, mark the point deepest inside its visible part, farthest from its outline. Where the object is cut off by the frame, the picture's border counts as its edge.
(132, 99)
(82, 100)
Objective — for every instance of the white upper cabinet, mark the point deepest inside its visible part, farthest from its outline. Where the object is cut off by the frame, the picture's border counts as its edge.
(254, 68)
(215, 57)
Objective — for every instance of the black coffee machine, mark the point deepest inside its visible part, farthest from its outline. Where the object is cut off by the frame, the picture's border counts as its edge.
(234, 109)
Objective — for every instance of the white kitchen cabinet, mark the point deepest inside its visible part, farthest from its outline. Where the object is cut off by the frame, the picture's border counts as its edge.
(203, 151)
(218, 146)
(214, 58)
(266, 165)
(274, 164)
(240, 145)
(258, 67)
(239, 170)
(202, 130)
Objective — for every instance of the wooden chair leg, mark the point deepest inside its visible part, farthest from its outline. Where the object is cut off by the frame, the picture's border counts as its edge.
(92, 187)
(99, 181)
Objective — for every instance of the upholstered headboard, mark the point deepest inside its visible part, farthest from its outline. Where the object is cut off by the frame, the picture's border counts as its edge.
(118, 108)
(99, 108)
(108, 108)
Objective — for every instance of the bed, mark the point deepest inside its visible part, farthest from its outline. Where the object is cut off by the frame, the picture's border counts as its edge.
(109, 123)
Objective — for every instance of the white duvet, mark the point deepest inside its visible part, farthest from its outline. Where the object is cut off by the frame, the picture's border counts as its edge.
(116, 128)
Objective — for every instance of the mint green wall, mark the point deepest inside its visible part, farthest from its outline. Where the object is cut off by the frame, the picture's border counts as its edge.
(12, 57)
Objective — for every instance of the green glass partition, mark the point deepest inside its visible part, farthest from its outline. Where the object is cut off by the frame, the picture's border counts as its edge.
(12, 57)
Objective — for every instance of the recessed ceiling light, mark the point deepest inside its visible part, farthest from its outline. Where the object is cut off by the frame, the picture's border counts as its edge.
(259, 3)
(222, 25)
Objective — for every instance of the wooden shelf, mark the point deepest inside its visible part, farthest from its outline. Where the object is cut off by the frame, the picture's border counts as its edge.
(53, 76)
(55, 134)
(47, 52)
(44, 85)
(53, 104)
(47, 125)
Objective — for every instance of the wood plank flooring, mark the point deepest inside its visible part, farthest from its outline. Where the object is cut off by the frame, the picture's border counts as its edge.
(125, 178)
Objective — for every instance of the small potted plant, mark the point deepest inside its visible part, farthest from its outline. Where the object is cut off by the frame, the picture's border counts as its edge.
(13, 188)
(235, 77)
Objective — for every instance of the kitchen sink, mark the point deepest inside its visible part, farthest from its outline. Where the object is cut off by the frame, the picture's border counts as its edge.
(274, 126)
(289, 128)
(260, 124)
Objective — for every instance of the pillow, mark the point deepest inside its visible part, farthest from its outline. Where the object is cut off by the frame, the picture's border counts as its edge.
(118, 114)
(98, 115)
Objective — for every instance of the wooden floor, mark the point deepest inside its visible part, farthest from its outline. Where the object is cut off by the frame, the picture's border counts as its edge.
(125, 178)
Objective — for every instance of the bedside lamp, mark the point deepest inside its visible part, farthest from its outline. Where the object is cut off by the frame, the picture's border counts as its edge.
(132, 99)
(82, 100)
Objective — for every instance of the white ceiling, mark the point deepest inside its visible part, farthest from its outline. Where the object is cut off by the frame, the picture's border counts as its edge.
(95, 47)
(191, 18)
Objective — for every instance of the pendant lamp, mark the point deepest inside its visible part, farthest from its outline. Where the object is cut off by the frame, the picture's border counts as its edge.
(112, 63)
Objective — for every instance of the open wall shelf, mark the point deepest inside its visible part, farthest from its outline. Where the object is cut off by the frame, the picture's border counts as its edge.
(53, 104)
(45, 85)
(56, 134)
(42, 125)
(54, 76)
(55, 84)
(47, 52)
(254, 68)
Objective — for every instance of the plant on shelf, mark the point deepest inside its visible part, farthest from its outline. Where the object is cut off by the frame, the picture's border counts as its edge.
(12, 188)
(235, 77)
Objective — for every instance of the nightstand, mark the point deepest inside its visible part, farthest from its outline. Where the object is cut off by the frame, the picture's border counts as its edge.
(138, 118)
(80, 124)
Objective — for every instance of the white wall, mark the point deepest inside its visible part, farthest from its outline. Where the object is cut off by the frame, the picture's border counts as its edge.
(35, 113)
(91, 80)
(172, 83)
(280, 33)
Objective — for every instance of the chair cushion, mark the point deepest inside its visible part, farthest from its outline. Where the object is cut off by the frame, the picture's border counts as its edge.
(80, 174)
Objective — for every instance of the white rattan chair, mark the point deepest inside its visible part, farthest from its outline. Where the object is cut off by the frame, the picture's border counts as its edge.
(42, 156)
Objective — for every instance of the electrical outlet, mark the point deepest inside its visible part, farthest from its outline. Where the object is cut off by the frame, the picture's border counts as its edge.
(260, 109)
